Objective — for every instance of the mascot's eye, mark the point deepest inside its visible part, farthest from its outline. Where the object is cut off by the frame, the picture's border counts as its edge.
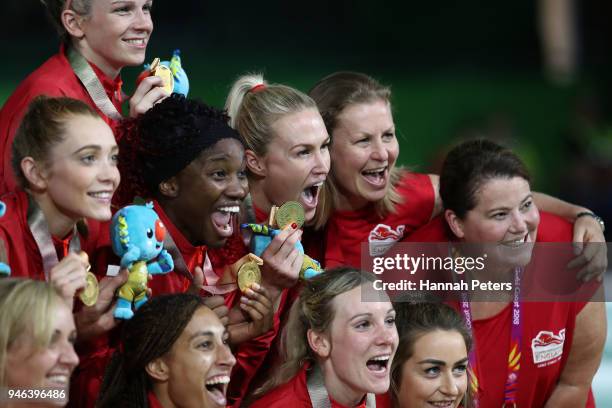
(160, 231)
(149, 233)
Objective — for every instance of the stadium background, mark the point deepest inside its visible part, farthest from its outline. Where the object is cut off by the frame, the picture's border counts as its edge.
(457, 69)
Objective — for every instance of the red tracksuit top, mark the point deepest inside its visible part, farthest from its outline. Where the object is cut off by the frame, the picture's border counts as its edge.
(347, 230)
(53, 78)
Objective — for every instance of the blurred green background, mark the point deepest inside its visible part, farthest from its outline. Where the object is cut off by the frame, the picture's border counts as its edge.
(457, 69)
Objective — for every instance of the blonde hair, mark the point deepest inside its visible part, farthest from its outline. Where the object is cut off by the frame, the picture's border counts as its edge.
(26, 307)
(315, 311)
(56, 7)
(254, 106)
(333, 94)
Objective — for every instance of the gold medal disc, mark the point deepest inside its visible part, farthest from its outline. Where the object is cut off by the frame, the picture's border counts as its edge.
(89, 295)
(248, 274)
(288, 213)
(165, 74)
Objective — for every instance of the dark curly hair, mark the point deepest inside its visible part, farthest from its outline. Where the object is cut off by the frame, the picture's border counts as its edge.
(161, 142)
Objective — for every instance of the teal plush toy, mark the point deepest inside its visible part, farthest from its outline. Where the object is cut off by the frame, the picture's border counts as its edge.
(137, 236)
(179, 76)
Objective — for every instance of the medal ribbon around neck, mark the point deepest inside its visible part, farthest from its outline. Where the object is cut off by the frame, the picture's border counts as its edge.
(40, 231)
(209, 274)
(92, 83)
(514, 354)
(318, 393)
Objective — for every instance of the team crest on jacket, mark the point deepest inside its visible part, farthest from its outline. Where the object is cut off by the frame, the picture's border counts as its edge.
(383, 237)
(547, 347)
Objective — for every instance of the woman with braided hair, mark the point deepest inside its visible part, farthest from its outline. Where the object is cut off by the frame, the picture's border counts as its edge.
(98, 38)
(174, 352)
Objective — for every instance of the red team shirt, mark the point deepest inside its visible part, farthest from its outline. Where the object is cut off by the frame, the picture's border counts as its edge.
(54, 78)
(547, 331)
(347, 230)
(21, 251)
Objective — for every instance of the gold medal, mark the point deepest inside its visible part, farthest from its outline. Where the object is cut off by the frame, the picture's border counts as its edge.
(89, 295)
(248, 274)
(289, 213)
(164, 73)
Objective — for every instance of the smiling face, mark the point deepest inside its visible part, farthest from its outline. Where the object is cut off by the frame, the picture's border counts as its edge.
(364, 150)
(210, 191)
(363, 339)
(28, 366)
(199, 363)
(297, 161)
(116, 33)
(506, 216)
(81, 173)
(436, 373)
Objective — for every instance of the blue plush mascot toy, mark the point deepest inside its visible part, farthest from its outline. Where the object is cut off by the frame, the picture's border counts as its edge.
(137, 236)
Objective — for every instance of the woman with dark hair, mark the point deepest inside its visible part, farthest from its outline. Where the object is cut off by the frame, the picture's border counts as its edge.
(196, 191)
(174, 352)
(378, 202)
(337, 348)
(430, 365)
(488, 200)
(98, 38)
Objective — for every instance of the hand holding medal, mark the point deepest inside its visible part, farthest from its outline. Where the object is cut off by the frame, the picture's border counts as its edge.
(89, 294)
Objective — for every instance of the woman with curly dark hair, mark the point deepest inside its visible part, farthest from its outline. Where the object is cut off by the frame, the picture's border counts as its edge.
(183, 155)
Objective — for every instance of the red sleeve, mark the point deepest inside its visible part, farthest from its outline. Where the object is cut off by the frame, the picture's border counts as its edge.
(434, 231)
(553, 228)
(419, 199)
(294, 393)
(251, 354)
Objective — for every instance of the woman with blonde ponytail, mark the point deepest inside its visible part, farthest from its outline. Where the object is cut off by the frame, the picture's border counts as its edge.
(287, 160)
(338, 348)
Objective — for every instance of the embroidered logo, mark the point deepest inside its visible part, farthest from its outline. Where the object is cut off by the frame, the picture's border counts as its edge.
(383, 237)
(547, 347)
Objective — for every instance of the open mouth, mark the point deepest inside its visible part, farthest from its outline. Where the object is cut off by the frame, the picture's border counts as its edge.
(216, 388)
(377, 177)
(224, 218)
(379, 364)
(517, 243)
(309, 197)
(58, 380)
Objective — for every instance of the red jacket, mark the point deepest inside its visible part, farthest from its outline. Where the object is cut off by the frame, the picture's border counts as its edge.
(53, 78)
(346, 231)
(21, 251)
